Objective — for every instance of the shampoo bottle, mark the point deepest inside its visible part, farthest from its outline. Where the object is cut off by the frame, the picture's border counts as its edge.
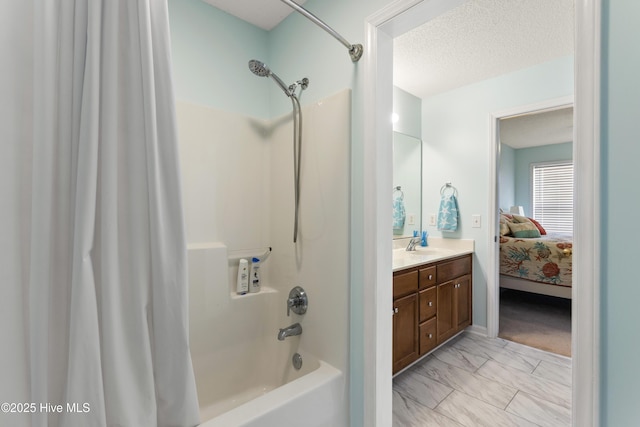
(242, 286)
(254, 282)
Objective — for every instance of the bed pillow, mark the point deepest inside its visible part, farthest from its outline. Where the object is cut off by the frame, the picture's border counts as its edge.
(537, 224)
(523, 229)
(520, 219)
(504, 228)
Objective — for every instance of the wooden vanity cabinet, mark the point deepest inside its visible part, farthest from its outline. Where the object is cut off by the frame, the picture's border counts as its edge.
(405, 331)
(432, 303)
(454, 297)
(405, 319)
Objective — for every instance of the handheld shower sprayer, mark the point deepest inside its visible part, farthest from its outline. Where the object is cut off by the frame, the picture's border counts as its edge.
(260, 69)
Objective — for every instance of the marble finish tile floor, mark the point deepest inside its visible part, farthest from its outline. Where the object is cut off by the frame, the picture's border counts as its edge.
(474, 381)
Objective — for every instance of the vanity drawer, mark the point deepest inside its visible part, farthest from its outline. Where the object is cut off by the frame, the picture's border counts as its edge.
(427, 277)
(427, 336)
(428, 305)
(405, 283)
(452, 269)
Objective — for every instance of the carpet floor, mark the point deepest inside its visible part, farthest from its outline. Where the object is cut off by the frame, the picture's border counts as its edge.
(538, 321)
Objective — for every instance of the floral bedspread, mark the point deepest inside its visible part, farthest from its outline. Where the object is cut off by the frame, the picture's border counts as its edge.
(547, 259)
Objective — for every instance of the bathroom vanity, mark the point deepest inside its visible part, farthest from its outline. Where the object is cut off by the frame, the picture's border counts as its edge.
(432, 291)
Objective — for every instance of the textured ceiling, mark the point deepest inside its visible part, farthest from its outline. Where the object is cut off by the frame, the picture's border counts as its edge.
(265, 14)
(481, 39)
(529, 130)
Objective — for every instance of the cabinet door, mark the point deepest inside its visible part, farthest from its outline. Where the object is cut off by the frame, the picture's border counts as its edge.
(446, 321)
(405, 331)
(462, 301)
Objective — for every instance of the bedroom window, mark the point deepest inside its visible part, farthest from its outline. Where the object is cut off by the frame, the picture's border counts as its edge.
(553, 195)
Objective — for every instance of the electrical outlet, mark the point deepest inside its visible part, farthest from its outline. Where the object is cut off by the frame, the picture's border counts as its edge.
(432, 219)
(475, 221)
(411, 219)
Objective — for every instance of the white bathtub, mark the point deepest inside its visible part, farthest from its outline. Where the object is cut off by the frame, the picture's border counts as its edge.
(244, 375)
(258, 387)
(313, 400)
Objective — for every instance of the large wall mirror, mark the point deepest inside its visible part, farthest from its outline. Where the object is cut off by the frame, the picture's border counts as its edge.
(407, 174)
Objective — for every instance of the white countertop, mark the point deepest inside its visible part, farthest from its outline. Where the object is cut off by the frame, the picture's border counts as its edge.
(439, 249)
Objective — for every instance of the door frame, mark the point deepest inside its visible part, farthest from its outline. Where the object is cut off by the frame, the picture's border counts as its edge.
(493, 271)
(381, 27)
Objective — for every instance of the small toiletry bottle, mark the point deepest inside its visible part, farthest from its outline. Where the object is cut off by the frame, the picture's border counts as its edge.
(423, 241)
(254, 282)
(415, 233)
(242, 287)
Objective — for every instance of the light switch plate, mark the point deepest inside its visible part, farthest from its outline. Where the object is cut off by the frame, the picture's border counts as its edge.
(475, 221)
(432, 219)
(411, 219)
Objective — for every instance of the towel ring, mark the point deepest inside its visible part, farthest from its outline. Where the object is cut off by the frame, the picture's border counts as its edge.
(447, 186)
(398, 189)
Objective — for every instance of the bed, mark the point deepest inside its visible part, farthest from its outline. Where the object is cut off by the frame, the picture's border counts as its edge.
(541, 264)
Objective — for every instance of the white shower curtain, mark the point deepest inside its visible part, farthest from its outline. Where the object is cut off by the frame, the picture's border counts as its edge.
(93, 300)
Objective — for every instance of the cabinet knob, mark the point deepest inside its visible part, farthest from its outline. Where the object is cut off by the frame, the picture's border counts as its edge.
(395, 310)
(430, 336)
(430, 276)
(430, 303)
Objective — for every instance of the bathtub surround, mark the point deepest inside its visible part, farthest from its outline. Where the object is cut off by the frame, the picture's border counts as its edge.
(94, 311)
(224, 157)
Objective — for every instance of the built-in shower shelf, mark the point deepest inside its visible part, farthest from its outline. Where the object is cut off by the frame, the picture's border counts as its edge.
(263, 290)
(247, 254)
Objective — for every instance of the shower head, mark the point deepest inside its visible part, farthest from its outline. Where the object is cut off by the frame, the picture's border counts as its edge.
(260, 69)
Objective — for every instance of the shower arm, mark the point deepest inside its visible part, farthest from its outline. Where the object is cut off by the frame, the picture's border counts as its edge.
(355, 50)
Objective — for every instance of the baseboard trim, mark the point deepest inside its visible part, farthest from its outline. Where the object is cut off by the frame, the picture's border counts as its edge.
(478, 330)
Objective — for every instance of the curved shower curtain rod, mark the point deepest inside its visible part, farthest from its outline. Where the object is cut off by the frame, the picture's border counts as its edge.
(355, 50)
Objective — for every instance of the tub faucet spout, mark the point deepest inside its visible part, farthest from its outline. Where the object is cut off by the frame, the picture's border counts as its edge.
(289, 331)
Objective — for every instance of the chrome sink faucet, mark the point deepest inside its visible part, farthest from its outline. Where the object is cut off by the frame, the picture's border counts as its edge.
(289, 331)
(412, 243)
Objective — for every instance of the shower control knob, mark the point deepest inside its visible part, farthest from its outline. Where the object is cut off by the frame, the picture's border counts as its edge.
(297, 301)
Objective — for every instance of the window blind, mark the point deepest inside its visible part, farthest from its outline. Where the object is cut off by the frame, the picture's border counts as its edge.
(553, 195)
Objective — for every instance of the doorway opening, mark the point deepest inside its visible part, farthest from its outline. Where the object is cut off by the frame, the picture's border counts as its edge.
(381, 28)
(535, 193)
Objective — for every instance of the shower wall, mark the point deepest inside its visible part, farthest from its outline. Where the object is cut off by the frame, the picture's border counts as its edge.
(236, 142)
(237, 180)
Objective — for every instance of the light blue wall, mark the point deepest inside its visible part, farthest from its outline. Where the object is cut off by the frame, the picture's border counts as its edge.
(523, 159)
(457, 149)
(409, 111)
(210, 52)
(620, 391)
(506, 177)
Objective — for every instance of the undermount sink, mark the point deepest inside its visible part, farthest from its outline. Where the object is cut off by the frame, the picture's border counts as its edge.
(403, 258)
(422, 251)
(440, 250)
